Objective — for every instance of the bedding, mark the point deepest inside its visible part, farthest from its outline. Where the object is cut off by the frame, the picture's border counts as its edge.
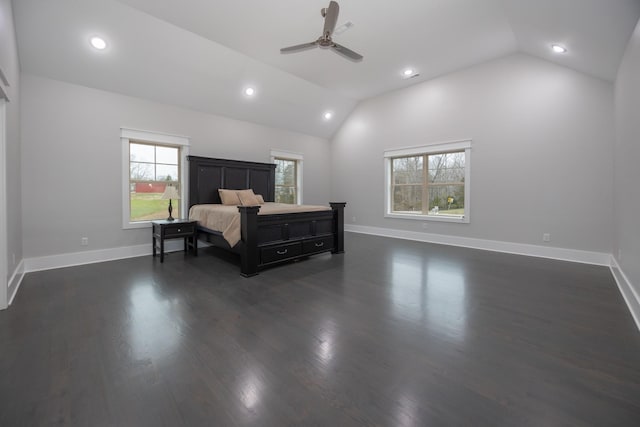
(229, 197)
(226, 219)
(247, 197)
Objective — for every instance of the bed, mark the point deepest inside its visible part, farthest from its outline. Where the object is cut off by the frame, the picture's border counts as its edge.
(265, 239)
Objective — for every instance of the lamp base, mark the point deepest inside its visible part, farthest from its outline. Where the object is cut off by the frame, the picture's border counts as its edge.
(170, 210)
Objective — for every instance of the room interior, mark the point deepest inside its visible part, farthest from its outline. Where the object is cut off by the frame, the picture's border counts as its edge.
(547, 94)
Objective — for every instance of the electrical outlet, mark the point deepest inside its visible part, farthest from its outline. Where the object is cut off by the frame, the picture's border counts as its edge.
(546, 237)
(84, 241)
(353, 219)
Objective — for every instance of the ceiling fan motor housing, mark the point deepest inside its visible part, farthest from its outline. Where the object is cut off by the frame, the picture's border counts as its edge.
(325, 42)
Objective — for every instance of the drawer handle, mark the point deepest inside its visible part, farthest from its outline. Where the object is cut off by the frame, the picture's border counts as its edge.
(282, 252)
(319, 245)
(179, 230)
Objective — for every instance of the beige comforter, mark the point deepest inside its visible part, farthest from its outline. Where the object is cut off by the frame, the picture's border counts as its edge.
(226, 219)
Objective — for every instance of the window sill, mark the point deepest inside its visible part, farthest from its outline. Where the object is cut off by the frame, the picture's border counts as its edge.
(437, 218)
(137, 224)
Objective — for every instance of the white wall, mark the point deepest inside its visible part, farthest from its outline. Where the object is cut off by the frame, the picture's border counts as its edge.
(71, 149)
(541, 156)
(10, 67)
(627, 163)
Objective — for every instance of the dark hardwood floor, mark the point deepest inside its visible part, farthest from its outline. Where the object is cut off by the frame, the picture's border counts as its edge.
(392, 333)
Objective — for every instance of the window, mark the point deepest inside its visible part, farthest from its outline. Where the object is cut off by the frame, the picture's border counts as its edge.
(286, 186)
(429, 182)
(151, 169)
(151, 162)
(4, 298)
(288, 177)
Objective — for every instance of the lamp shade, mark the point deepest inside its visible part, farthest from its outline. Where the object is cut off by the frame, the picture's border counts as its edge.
(170, 192)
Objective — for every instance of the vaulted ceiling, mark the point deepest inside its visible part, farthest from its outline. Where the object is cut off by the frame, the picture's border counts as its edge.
(201, 54)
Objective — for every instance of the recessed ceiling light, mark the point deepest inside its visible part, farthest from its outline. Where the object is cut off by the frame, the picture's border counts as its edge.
(409, 73)
(98, 43)
(558, 48)
(327, 115)
(249, 91)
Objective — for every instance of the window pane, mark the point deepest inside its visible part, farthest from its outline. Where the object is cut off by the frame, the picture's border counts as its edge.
(286, 181)
(407, 198)
(141, 153)
(407, 170)
(166, 173)
(141, 171)
(429, 182)
(447, 167)
(285, 172)
(167, 155)
(285, 195)
(146, 204)
(446, 199)
(149, 179)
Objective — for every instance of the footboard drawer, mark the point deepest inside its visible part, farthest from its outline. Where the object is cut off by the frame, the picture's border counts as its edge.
(280, 252)
(319, 244)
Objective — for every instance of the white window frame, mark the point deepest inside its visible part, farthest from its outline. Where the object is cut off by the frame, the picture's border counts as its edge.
(298, 158)
(434, 148)
(133, 135)
(4, 283)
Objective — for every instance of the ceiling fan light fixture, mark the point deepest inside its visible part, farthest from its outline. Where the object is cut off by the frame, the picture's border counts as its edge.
(98, 43)
(557, 48)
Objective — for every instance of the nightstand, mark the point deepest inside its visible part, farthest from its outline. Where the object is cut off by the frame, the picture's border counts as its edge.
(178, 228)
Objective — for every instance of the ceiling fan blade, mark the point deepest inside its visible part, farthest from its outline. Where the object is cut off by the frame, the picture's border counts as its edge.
(298, 47)
(346, 52)
(330, 19)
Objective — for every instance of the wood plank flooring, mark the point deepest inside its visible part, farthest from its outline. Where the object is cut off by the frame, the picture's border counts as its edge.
(392, 333)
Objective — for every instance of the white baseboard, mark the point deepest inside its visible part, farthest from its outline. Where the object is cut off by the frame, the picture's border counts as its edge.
(629, 293)
(15, 281)
(586, 257)
(100, 255)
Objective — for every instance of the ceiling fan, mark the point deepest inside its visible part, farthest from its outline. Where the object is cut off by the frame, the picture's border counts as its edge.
(330, 15)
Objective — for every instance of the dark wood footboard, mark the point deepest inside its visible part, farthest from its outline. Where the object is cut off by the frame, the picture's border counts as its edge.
(338, 226)
(270, 239)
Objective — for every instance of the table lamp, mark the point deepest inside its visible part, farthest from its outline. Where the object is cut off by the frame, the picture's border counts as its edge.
(170, 192)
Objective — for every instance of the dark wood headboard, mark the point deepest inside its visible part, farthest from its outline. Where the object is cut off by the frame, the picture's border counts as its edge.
(207, 175)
